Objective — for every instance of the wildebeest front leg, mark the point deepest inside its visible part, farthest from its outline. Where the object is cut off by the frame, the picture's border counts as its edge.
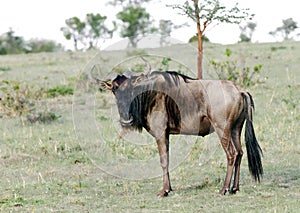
(163, 148)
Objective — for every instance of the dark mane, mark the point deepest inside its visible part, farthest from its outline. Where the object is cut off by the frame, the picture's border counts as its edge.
(174, 77)
(140, 107)
(147, 97)
(145, 102)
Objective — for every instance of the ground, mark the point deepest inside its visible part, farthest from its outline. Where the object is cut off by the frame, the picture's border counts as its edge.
(45, 168)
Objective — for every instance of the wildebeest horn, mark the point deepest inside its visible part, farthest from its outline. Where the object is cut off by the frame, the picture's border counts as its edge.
(147, 70)
(92, 79)
(106, 84)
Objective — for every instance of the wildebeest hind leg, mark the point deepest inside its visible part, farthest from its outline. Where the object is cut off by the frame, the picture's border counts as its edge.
(236, 137)
(231, 155)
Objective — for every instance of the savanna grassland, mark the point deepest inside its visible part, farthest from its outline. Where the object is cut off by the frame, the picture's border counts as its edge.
(45, 166)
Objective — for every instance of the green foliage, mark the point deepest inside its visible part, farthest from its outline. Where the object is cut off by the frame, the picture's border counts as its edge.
(244, 76)
(88, 32)
(43, 163)
(42, 45)
(278, 48)
(62, 90)
(4, 69)
(19, 98)
(16, 98)
(165, 64)
(195, 39)
(212, 11)
(74, 30)
(96, 29)
(136, 22)
(11, 44)
(206, 12)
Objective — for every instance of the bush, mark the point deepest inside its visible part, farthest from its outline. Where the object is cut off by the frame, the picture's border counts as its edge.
(4, 68)
(16, 98)
(19, 98)
(12, 44)
(62, 90)
(42, 45)
(244, 76)
(195, 39)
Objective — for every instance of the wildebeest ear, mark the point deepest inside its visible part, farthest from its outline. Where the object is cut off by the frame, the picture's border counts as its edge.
(106, 85)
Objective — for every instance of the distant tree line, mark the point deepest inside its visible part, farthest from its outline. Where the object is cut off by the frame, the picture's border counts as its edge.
(133, 21)
(287, 31)
(13, 44)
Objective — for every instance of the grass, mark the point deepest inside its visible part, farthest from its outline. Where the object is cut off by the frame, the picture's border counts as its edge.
(48, 167)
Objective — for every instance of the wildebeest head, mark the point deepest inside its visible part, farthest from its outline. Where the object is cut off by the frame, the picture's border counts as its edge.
(128, 89)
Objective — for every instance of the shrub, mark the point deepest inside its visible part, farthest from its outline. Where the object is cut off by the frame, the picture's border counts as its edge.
(42, 45)
(4, 68)
(62, 90)
(165, 64)
(16, 98)
(195, 39)
(240, 74)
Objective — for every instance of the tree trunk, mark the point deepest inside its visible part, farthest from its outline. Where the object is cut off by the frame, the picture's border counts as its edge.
(200, 52)
(200, 41)
(75, 44)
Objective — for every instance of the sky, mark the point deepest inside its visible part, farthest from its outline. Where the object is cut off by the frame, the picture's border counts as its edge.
(44, 18)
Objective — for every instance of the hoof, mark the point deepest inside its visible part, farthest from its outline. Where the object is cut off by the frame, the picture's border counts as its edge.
(234, 190)
(163, 194)
(224, 191)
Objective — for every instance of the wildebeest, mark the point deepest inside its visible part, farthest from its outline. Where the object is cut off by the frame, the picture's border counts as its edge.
(167, 103)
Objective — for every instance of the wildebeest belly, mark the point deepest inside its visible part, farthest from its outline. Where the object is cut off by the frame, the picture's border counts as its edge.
(193, 126)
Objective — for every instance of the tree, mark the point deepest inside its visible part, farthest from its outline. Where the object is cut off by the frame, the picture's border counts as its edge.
(165, 29)
(42, 45)
(87, 32)
(97, 29)
(207, 12)
(130, 2)
(136, 22)
(247, 32)
(288, 26)
(194, 38)
(74, 30)
(11, 44)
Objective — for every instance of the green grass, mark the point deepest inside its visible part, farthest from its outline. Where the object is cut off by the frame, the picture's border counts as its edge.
(47, 167)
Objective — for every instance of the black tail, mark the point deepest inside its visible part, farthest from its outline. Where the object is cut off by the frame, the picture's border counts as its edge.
(254, 151)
